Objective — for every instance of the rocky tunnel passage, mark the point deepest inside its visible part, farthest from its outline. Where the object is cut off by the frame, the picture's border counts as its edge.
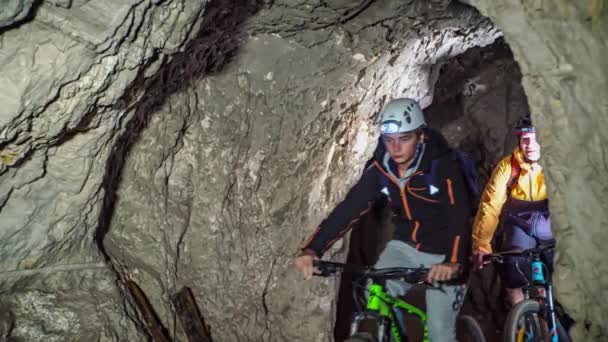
(197, 143)
(480, 81)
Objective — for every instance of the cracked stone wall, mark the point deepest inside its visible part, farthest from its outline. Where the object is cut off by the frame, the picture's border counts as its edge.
(229, 171)
(185, 143)
(14, 11)
(62, 73)
(231, 175)
(561, 48)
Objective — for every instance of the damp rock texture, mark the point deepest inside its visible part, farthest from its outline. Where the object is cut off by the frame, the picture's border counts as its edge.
(62, 74)
(231, 174)
(561, 48)
(14, 11)
(192, 143)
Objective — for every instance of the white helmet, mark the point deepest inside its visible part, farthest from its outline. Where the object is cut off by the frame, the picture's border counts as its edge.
(401, 116)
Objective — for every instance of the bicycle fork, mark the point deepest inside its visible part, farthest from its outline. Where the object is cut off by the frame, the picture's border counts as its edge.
(547, 299)
(380, 326)
(551, 309)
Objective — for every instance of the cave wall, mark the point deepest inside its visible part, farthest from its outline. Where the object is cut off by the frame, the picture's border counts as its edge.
(182, 143)
(178, 143)
(561, 48)
(63, 68)
(477, 101)
(233, 174)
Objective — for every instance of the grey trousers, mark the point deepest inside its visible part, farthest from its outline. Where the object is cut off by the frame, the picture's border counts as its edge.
(441, 307)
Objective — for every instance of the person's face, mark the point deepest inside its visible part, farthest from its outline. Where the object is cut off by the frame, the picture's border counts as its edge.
(529, 146)
(402, 146)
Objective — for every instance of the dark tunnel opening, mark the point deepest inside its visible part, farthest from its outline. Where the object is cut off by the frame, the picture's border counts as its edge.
(478, 96)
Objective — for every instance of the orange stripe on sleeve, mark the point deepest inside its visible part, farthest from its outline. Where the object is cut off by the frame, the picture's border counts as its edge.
(450, 192)
(455, 249)
(347, 228)
(415, 231)
(311, 237)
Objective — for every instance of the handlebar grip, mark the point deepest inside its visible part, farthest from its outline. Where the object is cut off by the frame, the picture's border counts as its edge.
(325, 268)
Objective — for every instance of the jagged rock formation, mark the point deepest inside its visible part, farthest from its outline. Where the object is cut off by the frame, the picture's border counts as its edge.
(186, 143)
(63, 74)
(14, 11)
(561, 48)
(232, 174)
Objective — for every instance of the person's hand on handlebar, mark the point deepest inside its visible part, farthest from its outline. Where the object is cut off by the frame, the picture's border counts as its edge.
(478, 261)
(304, 262)
(442, 272)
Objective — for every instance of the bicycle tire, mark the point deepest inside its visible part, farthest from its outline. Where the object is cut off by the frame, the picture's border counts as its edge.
(360, 337)
(367, 332)
(470, 329)
(527, 307)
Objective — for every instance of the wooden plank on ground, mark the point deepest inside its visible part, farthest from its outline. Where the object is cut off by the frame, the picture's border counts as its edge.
(190, 316)
(155, 327)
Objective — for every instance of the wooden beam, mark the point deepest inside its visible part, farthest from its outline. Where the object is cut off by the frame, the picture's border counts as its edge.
(155, 327)
(190, 316)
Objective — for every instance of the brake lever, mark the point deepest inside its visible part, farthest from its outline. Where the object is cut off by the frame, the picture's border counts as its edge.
(325, 271)
(498, 258)
(322, 273)
(435, 286)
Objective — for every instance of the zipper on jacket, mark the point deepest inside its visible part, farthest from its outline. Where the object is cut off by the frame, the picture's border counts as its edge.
(530, 180)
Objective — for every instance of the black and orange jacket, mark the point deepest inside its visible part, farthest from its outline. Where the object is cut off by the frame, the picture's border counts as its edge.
(435, 218)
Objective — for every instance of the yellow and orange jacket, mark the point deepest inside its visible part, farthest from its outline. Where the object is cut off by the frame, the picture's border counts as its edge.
(529, 186)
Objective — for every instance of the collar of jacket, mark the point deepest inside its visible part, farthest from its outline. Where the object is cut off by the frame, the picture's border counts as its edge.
(390, 166)
(434, 147)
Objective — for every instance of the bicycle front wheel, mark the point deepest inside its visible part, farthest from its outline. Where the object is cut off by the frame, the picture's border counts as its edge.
(360, 337)
(368, 330)
(522, 324)
(469, 330)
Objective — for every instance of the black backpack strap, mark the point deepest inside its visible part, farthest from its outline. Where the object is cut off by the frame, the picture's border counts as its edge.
(515, 171)
(469, 171)
(429, 178)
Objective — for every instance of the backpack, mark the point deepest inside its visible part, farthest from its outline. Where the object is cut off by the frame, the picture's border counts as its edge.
(469, 171)
(513, 177)
(515, 170)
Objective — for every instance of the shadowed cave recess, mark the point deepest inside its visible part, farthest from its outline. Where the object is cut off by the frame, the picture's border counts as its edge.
(152, 146)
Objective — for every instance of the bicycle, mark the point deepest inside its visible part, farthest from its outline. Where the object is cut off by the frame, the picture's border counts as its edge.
(378, 321)
(523, 323)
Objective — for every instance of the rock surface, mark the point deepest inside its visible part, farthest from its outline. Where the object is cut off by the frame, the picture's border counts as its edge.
(62, 74)
(14, 11)
(233, 173)
(561, 48)
(180, 143)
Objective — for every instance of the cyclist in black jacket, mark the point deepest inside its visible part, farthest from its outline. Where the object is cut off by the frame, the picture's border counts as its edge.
(426, 189)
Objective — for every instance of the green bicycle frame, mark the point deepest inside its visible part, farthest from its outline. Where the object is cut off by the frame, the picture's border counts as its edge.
(382, 302)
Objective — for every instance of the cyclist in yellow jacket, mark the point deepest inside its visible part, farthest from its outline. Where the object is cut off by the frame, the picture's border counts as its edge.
(515, 197)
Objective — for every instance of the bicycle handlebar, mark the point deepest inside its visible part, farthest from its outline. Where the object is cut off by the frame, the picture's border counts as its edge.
(407, 274)
(499, 257)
